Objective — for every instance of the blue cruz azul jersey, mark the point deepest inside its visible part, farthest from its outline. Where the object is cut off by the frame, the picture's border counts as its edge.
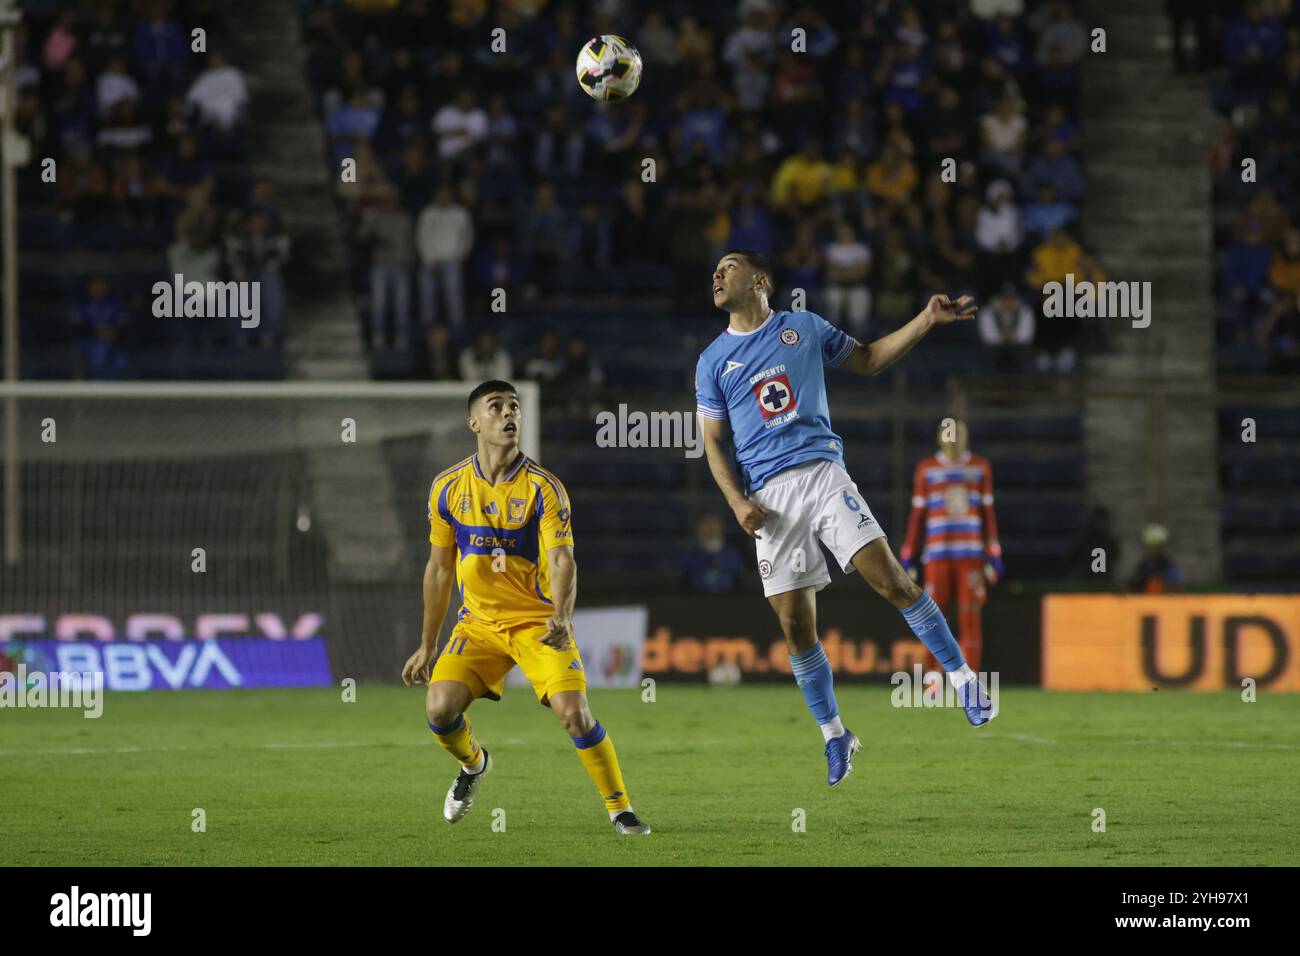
(770, 385)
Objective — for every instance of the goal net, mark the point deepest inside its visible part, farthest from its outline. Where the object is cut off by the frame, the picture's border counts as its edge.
(278, 516)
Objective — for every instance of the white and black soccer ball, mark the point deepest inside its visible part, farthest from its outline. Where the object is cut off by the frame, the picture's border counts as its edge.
(608, 68)
(724, 674)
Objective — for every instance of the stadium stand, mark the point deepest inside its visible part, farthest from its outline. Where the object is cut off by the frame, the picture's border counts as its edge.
(152, 176)
(464, 185)
(1256, 245)
(1256, 47)
(813, 161)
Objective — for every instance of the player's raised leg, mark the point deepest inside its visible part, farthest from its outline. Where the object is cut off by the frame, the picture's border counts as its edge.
(797, 612)
(878, 566)
(596, 751)
(445, 704)
(941, 585)
(473, 664)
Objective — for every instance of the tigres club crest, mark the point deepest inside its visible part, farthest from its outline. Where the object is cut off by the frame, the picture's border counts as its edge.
(515, 510)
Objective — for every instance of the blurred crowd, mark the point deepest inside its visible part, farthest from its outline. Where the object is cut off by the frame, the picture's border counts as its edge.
(1257, 219)
(150, 141)
(479, 170)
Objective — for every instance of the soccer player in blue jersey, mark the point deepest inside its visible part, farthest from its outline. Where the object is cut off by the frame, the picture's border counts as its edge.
(761, 385)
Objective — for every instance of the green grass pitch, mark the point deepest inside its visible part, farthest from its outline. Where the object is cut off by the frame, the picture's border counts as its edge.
(301, 777)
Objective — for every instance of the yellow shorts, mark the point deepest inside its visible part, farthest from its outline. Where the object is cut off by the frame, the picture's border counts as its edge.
(480, 656)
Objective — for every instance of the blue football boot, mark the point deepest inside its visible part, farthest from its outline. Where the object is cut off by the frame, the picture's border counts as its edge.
(976, 702)
(839, 756)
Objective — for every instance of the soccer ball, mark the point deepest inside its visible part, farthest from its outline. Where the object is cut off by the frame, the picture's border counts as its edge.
(609, 68)
(724, 674)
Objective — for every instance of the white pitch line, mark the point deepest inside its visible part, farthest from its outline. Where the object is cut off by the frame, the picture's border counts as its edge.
(323, 744)
(294, 745)
(1234, 744)
(1242, 744)
(1026, 738)
(515, 741)
(288, 745)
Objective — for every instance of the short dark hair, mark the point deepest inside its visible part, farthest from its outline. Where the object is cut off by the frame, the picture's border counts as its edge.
(760, 264)
(487, 388)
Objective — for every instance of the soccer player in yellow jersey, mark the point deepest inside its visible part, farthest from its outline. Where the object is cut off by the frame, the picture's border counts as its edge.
(501, 524)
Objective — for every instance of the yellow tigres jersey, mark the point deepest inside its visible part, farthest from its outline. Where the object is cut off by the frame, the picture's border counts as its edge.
(502, 533)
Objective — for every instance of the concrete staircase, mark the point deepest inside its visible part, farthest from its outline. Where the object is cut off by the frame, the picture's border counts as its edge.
(323, 341)
(1149, 414)
(323, 338)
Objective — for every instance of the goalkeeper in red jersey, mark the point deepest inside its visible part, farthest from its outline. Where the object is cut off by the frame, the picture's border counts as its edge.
(953, 495)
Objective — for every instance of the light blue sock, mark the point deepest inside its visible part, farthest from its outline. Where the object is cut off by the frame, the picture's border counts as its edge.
(812, 671)
(927, 623)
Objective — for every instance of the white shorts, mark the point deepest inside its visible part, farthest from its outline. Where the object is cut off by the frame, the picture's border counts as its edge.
(815, 501)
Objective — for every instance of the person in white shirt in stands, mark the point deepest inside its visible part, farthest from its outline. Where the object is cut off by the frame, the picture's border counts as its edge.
(1002, 135)
(1007, 327)
(848, 263)
(998, 233)
(485, 357)
(444, 236)
(220, 93)
(115, 85)
(459, 125)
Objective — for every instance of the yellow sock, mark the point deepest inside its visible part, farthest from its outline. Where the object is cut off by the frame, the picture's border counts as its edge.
(458, 740)
(596, 751)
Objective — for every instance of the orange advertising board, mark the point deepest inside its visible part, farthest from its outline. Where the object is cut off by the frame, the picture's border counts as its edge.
(1189, 641)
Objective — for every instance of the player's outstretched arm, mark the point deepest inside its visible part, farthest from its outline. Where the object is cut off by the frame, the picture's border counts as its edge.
(438, 574)
(564, 592)
(875, 357)
(749, 514)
